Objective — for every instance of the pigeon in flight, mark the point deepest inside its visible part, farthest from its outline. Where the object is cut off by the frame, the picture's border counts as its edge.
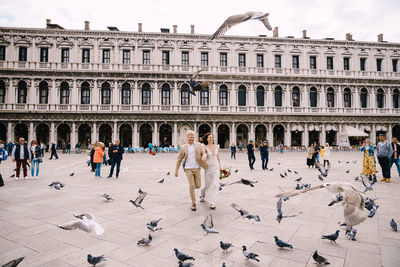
(236, 19)
(208, 231)
(14, 263)
(195, 86)
(86, 223)
(95, 260)
(298, 179)
(225, 246)
(107, 197)
(368, 186)
(245, 182)
(72, 174)
(152, 226)
(208, 221)
(138, 201)
(249, 255)
(280, 216)
(393, 225)
(244, 213)
(321, 169)
(371, 206)
(282, 244)
(319, 259)
(145, 241)
(182, 256)
(332, 237)
(57, 185)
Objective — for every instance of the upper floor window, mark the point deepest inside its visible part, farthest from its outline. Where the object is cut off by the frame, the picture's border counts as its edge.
(223, 59)
(260, 61)
(185, 58)
(295, 62)
(380, 98)
(204, 97)
(313, 62)
(378, 64)
(330, 98)
(346, 63)
(347, 98)
(329, 63)
(22, 53)
(242, 60)
(65, 55)
(260, 96)
(165, 57)
(2, 52)
(278, 61)
(22, 92)
(44, 54)
(362, 63)
(64, 93)
(296, 97)
(126, 94)
(278, 96)
(185, 95)
(223, 95)
(106, 56)
(313, 97)
(85, 93)
(126, 57)
(204, 59)
(105, 94)
(242, 95)
(146, 94)
(396, 97)
(363, 98)
(146, 57)
(165, 94)
(43, 93)
(2, 91)
(85, 55)
(394, 64)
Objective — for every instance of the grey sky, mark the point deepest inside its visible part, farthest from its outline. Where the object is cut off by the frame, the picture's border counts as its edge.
(321, 18)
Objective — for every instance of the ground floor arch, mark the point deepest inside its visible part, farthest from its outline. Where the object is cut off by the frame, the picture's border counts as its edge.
(183, 129)
(242, 134)
(63, 135)
(145, 134)
(296, 138)
(125, 135)
(165, 135)
(105, 134)
(279, 134)
(331, 137)
(21, 130)
(313, 136)
(396, 131)
(260, 133)
(3, 132)
(223, 136)
(84, 135)
(43, 133)
(203, 129)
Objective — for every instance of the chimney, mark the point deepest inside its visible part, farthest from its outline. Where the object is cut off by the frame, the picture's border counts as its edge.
(87, 25)
(380, 37)
(349, 37)
(140, 27)
(175, 28)
(48, 21)
(275, 32)
(192, 29)
(304, 33)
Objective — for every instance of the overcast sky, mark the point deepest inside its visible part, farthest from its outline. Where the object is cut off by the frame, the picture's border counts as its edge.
(321, 18)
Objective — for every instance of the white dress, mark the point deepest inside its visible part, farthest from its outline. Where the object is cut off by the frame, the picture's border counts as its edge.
(210, 189)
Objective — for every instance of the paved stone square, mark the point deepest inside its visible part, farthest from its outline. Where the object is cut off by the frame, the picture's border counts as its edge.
(30, 211)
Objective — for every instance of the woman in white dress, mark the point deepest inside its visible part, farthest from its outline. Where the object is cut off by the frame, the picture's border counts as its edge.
(210, 190)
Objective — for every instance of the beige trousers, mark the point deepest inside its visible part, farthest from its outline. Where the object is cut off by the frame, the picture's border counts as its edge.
(194, 179)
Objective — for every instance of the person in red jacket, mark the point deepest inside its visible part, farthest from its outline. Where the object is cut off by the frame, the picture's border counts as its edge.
(98, 158)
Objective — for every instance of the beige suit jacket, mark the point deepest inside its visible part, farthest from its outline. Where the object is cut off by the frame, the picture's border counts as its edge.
(183, 155)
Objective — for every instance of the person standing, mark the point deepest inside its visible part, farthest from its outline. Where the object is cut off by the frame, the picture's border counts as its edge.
(3, 156)
(53, 150)
(98, 158)
(395, 156)
(68, 146)
(327, 153)
(10, 147)
(36, 158)
(250, 154)
(264, 152)
(77, 146)
(240, 146)
(115, 154)
(233, 151)
(92, 150)
(310, 156)
(317, 149)
(369, 166)
(191, 154)
(42, 148)
(384, 153)
(21, 155)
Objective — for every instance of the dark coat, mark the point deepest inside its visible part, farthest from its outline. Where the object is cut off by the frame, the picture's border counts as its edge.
(111, 154)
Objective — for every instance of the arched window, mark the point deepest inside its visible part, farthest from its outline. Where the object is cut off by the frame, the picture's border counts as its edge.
(242, 95)
(64, 93)
(296, 97)
(22, 92)
(204, 97)
(165, 94)
(146, 94)
(43, 93)
(380, 98)
(260, 96)
(85, 93)
(396, 96)
(313, 97)
(2, 91)
(278, 96)
(126, 94)
(223, 95)
(330, 97)
(363, 98)
(105, 94)
(185, 95)
(347, 98)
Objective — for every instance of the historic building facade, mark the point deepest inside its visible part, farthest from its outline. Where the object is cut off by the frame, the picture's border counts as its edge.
(79, 86)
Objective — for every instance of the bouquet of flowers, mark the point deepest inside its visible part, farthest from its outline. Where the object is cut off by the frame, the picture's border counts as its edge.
(224, 173)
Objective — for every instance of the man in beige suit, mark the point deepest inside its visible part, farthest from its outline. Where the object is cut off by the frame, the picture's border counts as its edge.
(192, 155)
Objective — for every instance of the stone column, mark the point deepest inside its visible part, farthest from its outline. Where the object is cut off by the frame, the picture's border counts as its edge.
(389, 132)
(53, 93)
(155, 140)
(233, 102)
(175, 96)
(10, 132)
(322, 98)
(339, 97)
(32, 93)
(135, 139)
(195, 130)
(94, 132)
(73, 134)
(10, 94)
(52, 133)
(270, 136)
(95, 97)
(251, 96)
(74, 100)
(305, 96)
(252, 136)
(373, 134)
(31, 132)
(232, 137)
(372, 99)
(156, 95)
(115, 132)
(214, 96)
(288, 136)
(287, 96)
(136, 95)
(323, 135)
(175, 135)
(389, 98)
(357, 97)
(115, 96)
(270, 102)
(304, 140)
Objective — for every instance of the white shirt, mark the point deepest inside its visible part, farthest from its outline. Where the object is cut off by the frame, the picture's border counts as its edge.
(191, 162)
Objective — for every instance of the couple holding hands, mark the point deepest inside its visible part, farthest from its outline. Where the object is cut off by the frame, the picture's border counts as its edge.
(196, 156)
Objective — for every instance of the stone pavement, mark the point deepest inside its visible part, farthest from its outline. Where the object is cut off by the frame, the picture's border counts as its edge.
(30, 211)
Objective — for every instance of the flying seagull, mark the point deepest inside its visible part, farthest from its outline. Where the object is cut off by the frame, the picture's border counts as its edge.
(14, 263)
(86, 223)
(95, 260)
(236, 19)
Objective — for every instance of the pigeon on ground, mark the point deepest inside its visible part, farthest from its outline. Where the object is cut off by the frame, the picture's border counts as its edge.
(145, 241)
(107, 197)
(321, 169)
(152, 226)
(347, 162)
(339, 161)
(319, 259)
(12, 175)
(245, 182)
(282, 244)
(236, 170)
(336, 199)
(393, 225)
(183, 264)
(278, 163)
(289, 170)
(357, 178)
(282, 176)
(182, 256)
(371, 206)
(295, 172)
(244, 213)
(298, 179)
(285, 173)
(14, 263)
(208, 231)
(86, 222)
(239, 18)
(249, 255)
(347, 171)
(299, 187)
(306, 186)
(140, 191)
(320, 177)
(208, 221)
(271, 169)
(351, 233)
(332, 237)
(161, 181)
(368, 185)
(95, 260)
(225, 246)
(72, 174)
(138, 201)
(168, 173)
